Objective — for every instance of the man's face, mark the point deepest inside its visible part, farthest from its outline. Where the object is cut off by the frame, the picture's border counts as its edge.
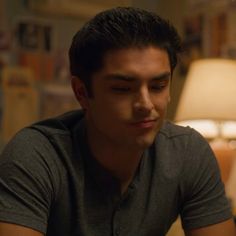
(130, 97)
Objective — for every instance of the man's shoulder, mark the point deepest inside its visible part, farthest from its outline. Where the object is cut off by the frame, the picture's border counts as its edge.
(182, 137)
(63, 124)
(54, 132)
(171, 130)
(44, 139)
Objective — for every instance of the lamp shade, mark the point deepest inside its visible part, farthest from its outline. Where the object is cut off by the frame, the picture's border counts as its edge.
(208, 104)
(209, 95)
(209, 91)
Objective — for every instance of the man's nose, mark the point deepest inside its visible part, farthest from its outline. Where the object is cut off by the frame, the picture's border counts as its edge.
(143, 103)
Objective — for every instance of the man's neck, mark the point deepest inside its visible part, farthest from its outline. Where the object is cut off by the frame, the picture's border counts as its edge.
(121, 161)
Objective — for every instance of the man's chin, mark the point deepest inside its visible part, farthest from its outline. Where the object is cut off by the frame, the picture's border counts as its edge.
(144, 143)
(146, 140)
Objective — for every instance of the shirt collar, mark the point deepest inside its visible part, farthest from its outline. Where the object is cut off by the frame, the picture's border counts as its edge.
(107, 183)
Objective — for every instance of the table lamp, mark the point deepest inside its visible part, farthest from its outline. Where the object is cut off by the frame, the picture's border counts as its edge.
(208, 104)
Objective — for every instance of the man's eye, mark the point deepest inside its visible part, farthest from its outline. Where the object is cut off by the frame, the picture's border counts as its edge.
(158, 87)
(121, 89)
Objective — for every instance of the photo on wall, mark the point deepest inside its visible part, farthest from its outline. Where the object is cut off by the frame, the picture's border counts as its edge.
(34, 36)
(34, 43)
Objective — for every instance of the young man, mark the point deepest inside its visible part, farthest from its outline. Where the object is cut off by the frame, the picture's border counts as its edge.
(116, 168)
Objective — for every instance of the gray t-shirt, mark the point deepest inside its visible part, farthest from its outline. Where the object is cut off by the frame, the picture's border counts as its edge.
(50, 182)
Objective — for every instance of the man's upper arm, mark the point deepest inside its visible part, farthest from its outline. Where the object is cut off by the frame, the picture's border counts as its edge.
(17, 230)
(204, 201)
(27, 185)
(225, 228)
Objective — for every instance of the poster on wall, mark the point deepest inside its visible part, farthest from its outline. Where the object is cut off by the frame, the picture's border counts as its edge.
(34, 41)
(213, 33)
(5, 47)
(34, 36)
(5, 40)
(217, 34)
(192, 42)
(229, 48)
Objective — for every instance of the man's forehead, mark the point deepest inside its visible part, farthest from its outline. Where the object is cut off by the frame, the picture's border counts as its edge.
(150, 53)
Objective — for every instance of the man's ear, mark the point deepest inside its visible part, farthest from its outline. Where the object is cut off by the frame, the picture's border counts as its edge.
(80, 91)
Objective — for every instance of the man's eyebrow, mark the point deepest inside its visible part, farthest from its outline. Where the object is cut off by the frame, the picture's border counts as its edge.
(163, 76)
(119, 77)
(123, 77)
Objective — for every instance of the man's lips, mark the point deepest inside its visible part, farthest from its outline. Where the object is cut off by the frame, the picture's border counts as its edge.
(147, 123)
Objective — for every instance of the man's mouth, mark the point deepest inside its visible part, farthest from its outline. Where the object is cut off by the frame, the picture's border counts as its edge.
(145, 124)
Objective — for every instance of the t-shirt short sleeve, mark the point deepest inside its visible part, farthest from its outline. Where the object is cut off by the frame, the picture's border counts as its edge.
(204, 200)
(28, 180)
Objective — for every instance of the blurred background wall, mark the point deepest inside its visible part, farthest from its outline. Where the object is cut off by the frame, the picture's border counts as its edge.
(35, 36)
(34, 39)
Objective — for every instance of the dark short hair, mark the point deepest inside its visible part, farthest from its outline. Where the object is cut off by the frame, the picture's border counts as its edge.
(117, 28)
